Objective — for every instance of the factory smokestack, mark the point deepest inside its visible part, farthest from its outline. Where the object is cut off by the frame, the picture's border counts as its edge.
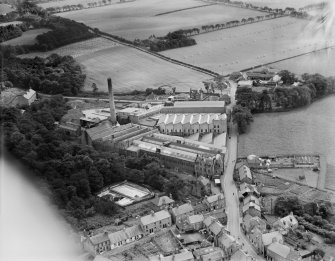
(111, 102)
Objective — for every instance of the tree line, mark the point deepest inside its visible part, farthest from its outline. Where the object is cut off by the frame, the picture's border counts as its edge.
(52, 75)
(75, 173)
(11, 31)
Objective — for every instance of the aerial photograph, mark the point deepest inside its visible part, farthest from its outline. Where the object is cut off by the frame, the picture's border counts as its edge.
(167, 130)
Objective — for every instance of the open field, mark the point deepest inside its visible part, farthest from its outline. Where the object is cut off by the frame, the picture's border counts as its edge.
(131, 70)
(76, 49)
(137, 19)
(28, 37)
(242, 47)
(322, 62)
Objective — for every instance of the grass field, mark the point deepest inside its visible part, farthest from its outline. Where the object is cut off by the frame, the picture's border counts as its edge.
(28, 37)
(134, 70)
(137, 19)
(5, 9)
(129, 68)
(322, 62)
(234, 49)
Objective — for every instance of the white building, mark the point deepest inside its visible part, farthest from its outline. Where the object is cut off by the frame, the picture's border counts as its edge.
(188, 124)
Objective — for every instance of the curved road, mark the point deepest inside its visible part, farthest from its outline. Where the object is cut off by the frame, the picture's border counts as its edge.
(230, 190)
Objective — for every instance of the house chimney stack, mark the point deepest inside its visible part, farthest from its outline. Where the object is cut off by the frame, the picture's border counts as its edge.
(111, 102)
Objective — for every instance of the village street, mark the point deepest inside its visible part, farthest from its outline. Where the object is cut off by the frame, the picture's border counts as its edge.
(230, 190)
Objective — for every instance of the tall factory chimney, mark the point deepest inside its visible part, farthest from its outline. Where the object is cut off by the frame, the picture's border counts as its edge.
(111, 102)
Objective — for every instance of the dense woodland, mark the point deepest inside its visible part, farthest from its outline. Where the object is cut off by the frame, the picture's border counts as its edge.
(11, 31)
(74, 172)
(52, 75)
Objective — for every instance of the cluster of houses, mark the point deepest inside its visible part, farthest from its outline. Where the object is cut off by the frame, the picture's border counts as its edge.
(206, 217)
(268, 241)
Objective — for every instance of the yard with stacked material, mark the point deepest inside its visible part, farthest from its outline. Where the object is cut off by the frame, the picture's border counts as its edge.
(27, 38)
(138, 19)
(242, 47)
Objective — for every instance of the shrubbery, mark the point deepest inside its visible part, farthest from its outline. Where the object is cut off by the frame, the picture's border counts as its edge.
(172, 40)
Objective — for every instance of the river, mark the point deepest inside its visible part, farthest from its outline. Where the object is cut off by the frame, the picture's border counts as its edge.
(307, 130)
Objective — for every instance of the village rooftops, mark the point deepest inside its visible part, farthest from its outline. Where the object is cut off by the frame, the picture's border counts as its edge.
(209, 220)
(118, 236)
(227, 240)
(209, 253)
(240, 255)
(251, 205)
(182, 209)
(99, 238)
(244, 172)
(195, 219)
(133, 231)
(280, 249)
(251, 198)
(216, 227)
(164, 200)
(183, 256)
(269, 237)
(214, 198)
(155, 217)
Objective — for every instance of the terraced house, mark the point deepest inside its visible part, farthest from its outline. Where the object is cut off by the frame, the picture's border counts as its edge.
(156, 221)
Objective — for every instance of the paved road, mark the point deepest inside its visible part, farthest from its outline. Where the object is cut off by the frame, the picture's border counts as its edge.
(230, 190)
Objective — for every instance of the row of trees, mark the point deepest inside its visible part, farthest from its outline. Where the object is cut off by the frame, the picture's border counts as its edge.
(74, 172)
(9, 32)
(67, 8)
(52, 75)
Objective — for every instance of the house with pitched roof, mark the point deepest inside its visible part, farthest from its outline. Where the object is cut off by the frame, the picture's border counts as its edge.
(247, 190)
(215, 201)
(252, 209)
(196, 222)
(255, 238)
(182, 256)
(228, 244)
(268, 238)
(209, 254)
(118, 238)
(240, 255)
(163, 202)
(215, 230)
(249, 223)
(156, 221)
(251, 199)
(279, 252)
(181, 212)
(134, 233)
(97, 244)
(288, 222)
(245, 174)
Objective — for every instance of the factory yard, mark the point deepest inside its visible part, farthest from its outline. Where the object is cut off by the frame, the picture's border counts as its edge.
(27, 38)
(242, 47)
(137, 19)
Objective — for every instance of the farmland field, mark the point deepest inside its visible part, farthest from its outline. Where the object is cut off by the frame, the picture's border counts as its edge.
(129, 68)
(322, 62)
(137, 19)
(241, 47)
(27, 37)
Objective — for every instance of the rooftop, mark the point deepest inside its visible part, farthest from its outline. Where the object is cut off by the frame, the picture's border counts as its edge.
(195, 219)
(183, 256)
(157, 216)
(182, 209)
(99, 238)
(279, 249)
(190, 118)
(188, 104)
(163, 201)
(214, 198)
(244, 172)
(268, 237)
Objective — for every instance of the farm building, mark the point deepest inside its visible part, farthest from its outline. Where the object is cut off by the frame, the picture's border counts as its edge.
(188, 124)
(13, 97)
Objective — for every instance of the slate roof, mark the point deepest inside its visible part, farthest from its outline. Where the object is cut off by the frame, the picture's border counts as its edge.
(279, 249)
(157, 216)
(244, 172)
(133, 231)
(268, 237)
(226, 240)
(118, 236)
(182, 209)
(195, 219)
(214, 198)
(99, 238)
(216, 228)
(164, 200)
(209, 220)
